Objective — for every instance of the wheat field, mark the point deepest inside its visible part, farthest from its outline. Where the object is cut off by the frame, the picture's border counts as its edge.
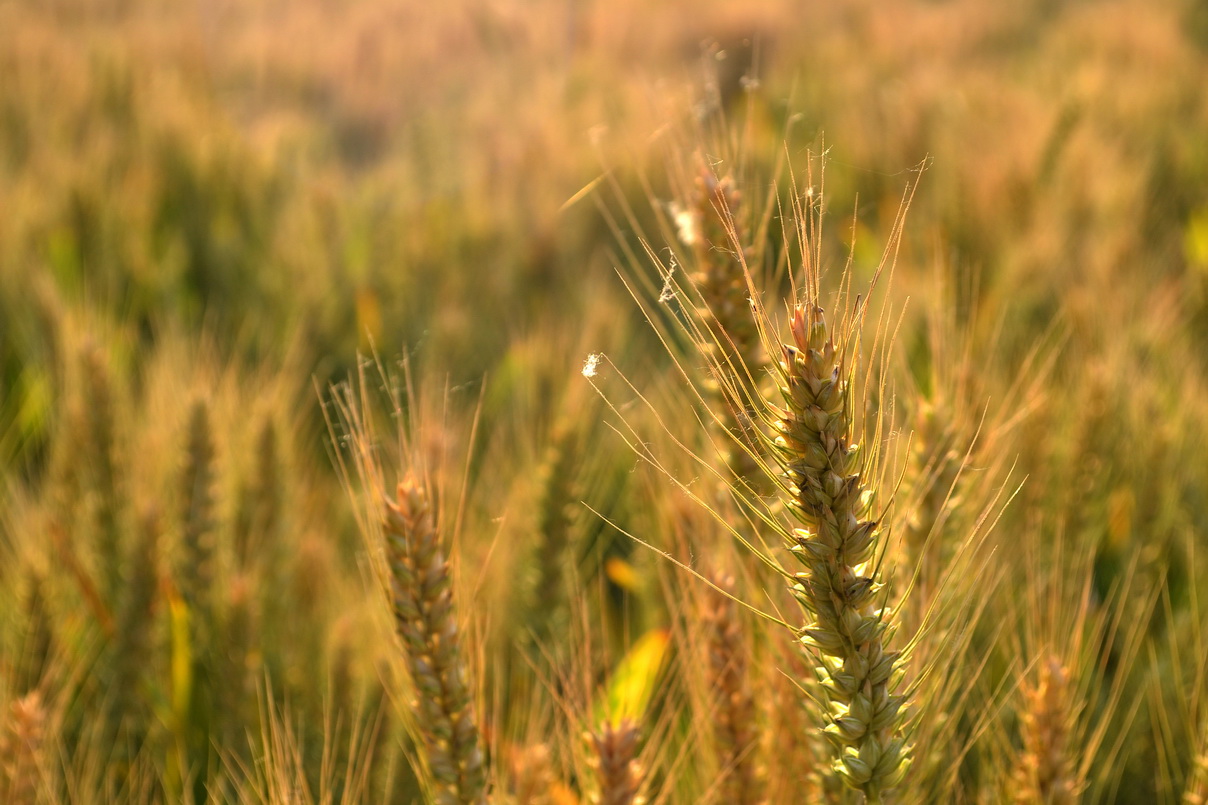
(553, 402)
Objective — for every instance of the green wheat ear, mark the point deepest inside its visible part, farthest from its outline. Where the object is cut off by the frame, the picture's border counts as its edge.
(828, 494)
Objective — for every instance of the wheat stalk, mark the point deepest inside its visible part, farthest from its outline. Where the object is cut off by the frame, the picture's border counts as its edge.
(424, 616)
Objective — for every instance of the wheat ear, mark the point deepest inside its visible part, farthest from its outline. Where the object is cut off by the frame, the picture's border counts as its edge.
(1044, 771)
(533, 775)
(104, 474)
(936, 465)
(260, 501)
(617, 770)
(734, 346)
(21, 751)
(555, 527)
(734, 721)
(197, 523)
(836, 545)
(132, 645)
(35, 660)
(424, 616)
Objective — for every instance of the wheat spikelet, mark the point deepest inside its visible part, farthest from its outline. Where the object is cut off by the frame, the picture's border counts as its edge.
(735, 728)
(21, 758)
(836, 545)
(618, 773)
(1044, 771)
(422, 597)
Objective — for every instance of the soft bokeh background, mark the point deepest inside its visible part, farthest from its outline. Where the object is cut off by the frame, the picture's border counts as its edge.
(218, 206)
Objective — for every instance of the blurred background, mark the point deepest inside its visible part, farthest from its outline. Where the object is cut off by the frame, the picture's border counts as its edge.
(209, 210)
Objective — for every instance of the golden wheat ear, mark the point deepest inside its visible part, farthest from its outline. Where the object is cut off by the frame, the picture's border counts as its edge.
(23, 766)
(735, 718)
(837, 544)
(426, 622)
(618, 773)
(1044, 770)
(197, 521)
(729, 336)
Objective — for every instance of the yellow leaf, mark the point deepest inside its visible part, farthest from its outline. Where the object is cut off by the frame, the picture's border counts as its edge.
(1195, 239)
(621, 573)
(632, 682)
